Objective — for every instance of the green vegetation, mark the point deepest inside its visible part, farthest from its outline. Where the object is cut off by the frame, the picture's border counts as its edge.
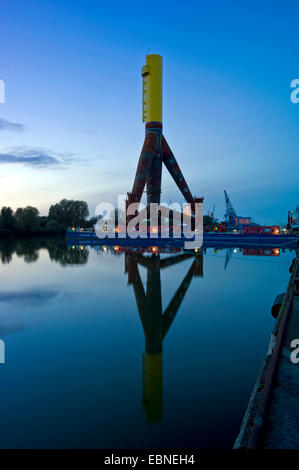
(27, 221)
(209, 223)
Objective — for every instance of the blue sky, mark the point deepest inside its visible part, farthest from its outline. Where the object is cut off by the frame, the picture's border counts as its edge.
(71, 124)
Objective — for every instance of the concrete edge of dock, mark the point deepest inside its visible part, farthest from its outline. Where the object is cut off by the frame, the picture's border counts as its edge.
(253, 423)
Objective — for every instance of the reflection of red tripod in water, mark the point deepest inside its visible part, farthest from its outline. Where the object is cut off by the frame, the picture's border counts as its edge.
(155, 323)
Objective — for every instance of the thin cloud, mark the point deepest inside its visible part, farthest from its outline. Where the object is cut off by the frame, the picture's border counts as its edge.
(82, 131)
(88, 131)
(37, 158)
(11, 126)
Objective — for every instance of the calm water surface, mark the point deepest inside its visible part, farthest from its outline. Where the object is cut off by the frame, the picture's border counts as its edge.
(113, 350)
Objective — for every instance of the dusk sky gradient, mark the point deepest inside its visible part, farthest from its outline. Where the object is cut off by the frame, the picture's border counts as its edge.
(71, 124)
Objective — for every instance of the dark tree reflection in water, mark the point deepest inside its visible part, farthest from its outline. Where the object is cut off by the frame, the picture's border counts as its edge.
(28, 250)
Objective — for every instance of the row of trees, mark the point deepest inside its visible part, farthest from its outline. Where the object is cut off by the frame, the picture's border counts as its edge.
(66, 213)
(23, 219)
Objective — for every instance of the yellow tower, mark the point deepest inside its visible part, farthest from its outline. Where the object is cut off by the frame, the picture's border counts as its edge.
(152, 89)
(155, 150)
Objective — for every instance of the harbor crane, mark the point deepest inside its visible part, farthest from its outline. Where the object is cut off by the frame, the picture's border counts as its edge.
(230, 214)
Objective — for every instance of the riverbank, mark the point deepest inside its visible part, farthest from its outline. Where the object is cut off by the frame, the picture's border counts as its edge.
(272, 417)
(25, 234)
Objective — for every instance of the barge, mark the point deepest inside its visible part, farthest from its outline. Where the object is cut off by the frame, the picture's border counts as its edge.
(210, 239)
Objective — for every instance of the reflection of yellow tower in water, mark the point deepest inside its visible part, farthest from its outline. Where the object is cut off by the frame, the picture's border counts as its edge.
(155, 323)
